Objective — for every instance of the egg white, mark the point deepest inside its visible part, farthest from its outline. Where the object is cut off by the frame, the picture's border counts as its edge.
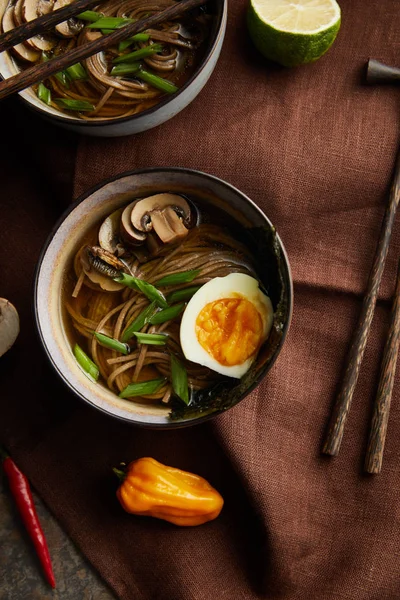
(218, 288)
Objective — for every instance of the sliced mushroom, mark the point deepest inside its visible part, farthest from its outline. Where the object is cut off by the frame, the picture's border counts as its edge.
(70, 27)
(100, 267)
(44, 7)
(29, 12)
(20, 50)
(9, 325)
(18, 20)
(168, 214)
(109, 234)
(128, 233)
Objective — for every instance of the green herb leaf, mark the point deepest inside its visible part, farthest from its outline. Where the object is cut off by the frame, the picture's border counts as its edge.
(76, 72)
(44, 93)
(89, 367)
(111, 343)
(90, 15)
(141, 320)
(154, 339)
(184, 294)
(157, 82)
(142, 388)
(125, 69)
(179, 379)
(70, 104)
(151, 292)
(138, 54)
(139, 37)
(166, 315)
(177, 278)
(110, 23)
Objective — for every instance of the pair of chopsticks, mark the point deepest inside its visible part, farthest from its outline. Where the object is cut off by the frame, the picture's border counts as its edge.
(378, 428)
(42, 71)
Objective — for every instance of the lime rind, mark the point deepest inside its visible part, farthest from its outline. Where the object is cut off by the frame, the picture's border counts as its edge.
(292, 48)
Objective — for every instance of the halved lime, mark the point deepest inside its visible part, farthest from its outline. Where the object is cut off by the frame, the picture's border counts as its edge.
(293, 32)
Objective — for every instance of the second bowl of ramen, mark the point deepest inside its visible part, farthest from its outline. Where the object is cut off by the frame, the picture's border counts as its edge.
(163, 297)
(132, 87)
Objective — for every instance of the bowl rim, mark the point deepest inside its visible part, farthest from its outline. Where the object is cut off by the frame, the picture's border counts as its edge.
(148, 170)
(166, 100)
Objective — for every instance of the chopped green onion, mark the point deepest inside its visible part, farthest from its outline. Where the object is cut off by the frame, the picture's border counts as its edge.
(110, 23)
(63, 78)
(107, 31)
(139, 37)
(76, 72)
(112, 343)
(157, 82)
(177, 278)
(44, 93)
(154, 339)
(69, 104)
(184, 294)
(142, 388)
(166, 315)
(86, 363)
(179, 379)
(125, 69)
(141, 320)
(151, 292)
(138, 54)
(90, 15)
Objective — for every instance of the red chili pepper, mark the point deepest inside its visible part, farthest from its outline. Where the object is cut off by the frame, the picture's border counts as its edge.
(20, 489)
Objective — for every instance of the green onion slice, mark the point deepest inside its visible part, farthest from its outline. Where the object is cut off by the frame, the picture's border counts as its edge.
(111, 343)
(139, 37)
(179, 379)
(141, 320)
(184, 294)
(44, 94)
(70, 104)
(89, 367)
(90, 15)
(157, 82)
(177, 278)
(63, 78)
(142, 388)
(151, 292)
(110, 23)
(125, 69)
(166, 315)
(138, 54)
(76, 72)
(154, 339)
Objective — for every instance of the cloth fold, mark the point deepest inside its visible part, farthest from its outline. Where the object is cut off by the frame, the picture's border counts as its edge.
(314, 148)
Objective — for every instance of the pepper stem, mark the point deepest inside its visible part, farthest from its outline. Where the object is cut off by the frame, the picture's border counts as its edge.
(120, 474)
(3, 453)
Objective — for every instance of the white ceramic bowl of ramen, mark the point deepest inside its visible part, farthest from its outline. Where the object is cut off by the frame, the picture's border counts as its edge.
(219, 205)
(167, 106)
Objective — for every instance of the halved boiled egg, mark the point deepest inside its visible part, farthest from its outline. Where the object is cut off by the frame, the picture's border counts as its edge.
(225, 323)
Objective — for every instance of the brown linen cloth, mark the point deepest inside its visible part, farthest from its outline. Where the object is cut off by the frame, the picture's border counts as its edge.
(315, 149)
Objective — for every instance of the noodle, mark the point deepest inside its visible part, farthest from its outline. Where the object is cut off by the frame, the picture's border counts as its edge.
(206, 248)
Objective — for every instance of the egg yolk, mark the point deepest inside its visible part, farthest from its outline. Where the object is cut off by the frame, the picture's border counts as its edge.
(230, 329)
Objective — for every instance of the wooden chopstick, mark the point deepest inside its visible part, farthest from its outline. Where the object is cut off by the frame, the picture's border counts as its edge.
(380, 415)
(40, 72)
(341, 408)
(44, 23)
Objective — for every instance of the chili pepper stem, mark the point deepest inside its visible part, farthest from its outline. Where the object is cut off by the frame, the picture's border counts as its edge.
(120, 474)
(3, 453)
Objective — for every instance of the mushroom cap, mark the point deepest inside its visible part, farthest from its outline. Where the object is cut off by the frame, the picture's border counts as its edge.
(128, 232)
(109, 233)
(9, 325)
(22, 51)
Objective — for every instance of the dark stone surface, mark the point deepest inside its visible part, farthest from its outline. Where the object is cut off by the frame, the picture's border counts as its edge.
(20, 572)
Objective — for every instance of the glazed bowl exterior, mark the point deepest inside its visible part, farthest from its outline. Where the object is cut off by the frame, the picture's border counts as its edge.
(89, 210)
(167, 108)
